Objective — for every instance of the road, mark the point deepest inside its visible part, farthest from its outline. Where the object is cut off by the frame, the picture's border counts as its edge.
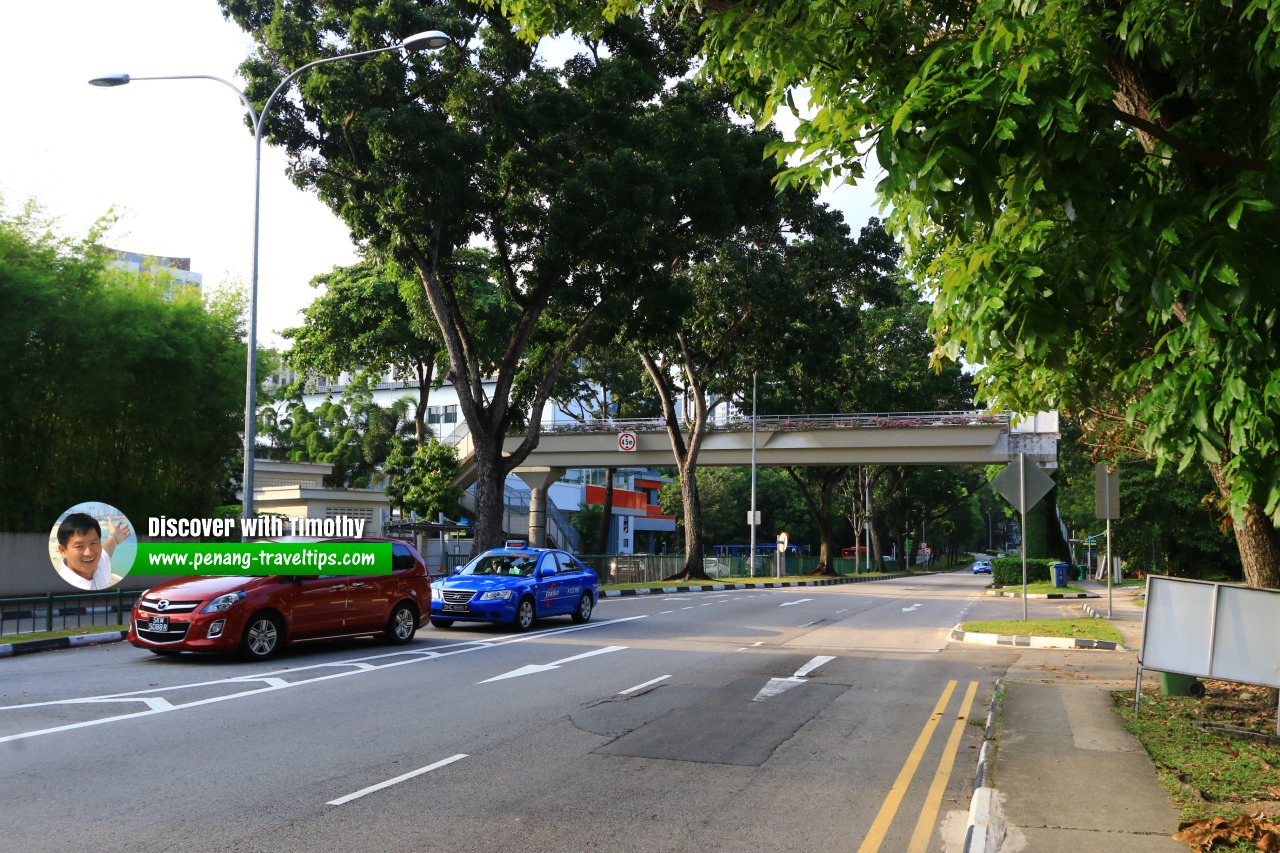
(821, 718)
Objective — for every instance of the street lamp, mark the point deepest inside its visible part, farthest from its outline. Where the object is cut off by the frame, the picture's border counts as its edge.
(430, 40)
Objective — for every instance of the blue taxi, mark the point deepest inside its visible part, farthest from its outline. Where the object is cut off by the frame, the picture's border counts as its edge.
(515, 584)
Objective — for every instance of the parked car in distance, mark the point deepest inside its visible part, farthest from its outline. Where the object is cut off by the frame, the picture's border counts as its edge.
(257, 616)
(516, 585)
(982, 567)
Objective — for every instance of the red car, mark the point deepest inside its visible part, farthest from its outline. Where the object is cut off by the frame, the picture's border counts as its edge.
(256, 616)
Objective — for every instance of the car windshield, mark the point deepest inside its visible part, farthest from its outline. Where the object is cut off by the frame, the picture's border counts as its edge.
(518, 565)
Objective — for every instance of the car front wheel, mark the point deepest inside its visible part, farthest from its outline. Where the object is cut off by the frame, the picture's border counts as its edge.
(402, 625)
(437, 622)
(263, 637)
(525, 614)
(583, 613)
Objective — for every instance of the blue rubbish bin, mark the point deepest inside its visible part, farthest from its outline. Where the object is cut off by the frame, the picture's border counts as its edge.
(1060, 574)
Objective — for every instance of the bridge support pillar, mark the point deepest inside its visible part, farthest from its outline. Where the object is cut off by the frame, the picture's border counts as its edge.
(538, 480)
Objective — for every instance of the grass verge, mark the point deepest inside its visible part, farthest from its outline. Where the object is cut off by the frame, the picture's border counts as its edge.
(83, 630)
(1084, 629)
(1211, 773)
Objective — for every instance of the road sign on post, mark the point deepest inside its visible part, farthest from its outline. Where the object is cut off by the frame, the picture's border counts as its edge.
(1023, 486)
(1106, 492)
(1106, 499)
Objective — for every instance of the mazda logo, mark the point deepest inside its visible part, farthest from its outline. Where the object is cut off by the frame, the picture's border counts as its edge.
(162, 604)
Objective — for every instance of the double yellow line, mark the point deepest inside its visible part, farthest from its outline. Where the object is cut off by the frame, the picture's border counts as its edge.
(933, 801)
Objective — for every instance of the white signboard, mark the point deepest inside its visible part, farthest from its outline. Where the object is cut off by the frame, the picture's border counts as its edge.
(1212, 630)
(627, 442)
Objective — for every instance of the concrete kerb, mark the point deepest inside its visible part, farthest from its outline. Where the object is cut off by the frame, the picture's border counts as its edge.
(721, 587)
(985, 829)
(29, 646)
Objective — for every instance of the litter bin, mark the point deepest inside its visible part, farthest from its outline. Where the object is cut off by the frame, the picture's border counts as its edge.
(1059, 574)
(1173, 684)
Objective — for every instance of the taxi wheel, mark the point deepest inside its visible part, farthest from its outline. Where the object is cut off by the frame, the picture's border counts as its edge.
(263, 637)
(525, 614)
(402, 625)
(437, 622)
(583, 613)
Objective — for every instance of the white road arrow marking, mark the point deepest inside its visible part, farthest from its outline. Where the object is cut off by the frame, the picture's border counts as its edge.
(547, 667)
(797, 601)
(776, 686)
(155, 703)
(812, 665)
(909, 609)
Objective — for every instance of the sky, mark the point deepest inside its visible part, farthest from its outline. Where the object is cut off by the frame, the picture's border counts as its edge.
(173, 159)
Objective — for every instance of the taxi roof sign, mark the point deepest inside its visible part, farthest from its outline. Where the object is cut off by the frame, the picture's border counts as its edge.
(516, 543)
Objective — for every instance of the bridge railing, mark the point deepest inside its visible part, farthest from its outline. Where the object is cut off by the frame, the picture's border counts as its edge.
(782, 423)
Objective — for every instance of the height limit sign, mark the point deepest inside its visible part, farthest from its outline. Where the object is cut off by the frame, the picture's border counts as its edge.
(627, 442)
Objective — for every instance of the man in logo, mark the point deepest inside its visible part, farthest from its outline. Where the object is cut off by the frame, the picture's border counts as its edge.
(86, 559)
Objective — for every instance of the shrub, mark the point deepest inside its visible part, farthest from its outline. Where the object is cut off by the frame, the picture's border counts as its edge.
(1007, 571)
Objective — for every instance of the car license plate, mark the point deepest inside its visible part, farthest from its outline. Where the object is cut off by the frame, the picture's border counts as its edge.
(159, 623)
(457, 608)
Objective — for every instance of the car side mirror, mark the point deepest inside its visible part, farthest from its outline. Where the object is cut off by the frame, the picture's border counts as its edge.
(457, 570)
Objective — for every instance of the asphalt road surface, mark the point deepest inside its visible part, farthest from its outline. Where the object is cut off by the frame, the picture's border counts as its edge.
(811, 718)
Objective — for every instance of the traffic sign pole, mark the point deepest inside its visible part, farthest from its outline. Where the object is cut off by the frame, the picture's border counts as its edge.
(1022, 501)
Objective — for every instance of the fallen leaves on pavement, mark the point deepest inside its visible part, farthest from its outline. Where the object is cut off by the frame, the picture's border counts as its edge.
(1203, 835)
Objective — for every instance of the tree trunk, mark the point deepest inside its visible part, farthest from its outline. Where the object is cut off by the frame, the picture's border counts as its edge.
(490, 485)
(693, 565)
(1256, 538)
(820, 511)
(606, 519)
(685, 453)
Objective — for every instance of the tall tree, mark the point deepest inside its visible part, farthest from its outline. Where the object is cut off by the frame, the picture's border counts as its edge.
(704, 346)
(587, 180)
(874, 357)
(121, 387)
(1085, 187)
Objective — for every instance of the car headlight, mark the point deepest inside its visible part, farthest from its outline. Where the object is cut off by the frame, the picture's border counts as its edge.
(497, 595)
(223, 602)
(437, 594)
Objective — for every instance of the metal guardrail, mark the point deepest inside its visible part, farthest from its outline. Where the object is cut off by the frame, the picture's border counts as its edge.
(29, 614)
(866, 420)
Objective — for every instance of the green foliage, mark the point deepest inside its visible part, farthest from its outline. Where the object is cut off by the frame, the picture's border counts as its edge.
(1087, 191)
(421, 479)
(587, 522)
(355, 435)
(370, 318)
(1170, 522)
(594, 183)
(120, 388)
(1007, 571)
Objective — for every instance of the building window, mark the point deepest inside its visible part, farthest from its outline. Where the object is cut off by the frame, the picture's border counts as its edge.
(442, 414)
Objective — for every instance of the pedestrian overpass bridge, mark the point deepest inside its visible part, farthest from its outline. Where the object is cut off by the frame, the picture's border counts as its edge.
(899, 438)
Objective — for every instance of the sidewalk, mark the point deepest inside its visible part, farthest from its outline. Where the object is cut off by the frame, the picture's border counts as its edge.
(1065, 776)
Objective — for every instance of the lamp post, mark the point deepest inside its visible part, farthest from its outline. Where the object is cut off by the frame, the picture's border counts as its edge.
(751, 548)
(430, 40)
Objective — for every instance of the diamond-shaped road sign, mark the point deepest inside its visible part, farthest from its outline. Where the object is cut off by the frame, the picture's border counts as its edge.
(1026, 489)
